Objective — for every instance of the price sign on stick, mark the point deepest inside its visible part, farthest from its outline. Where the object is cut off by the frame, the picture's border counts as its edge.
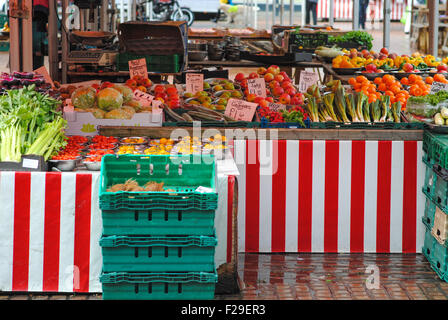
(43, 72)
(276, 106)
(156, 105)
(194, 82)
(138, 68)
(240, 109)
(144, 98)
(307, 79)
(438, 86)
(257, 86)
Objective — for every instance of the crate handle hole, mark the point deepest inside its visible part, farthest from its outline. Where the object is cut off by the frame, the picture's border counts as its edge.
(151, 169)
(179, 287)
(149, 287)
(166, 252)
(438, 265)
(167, 169)
(149, 216)
(428, 251)
(180, 169)
(149, 252)
(179, 252)
(166, 215)
(438, 232)
(136, 215)
(179, 215)
(166, 287)
(136, 288)
(136, 252)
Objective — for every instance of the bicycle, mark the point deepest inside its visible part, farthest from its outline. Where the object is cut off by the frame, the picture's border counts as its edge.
(166, 10)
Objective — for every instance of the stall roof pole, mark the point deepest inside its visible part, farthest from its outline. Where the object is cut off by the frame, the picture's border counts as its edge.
(302, 11)
(273, 12)
(14, 44)
(64, 41)
(255, 8)
(27, 38)
(433, 7)
(267, 14)
(282, 11)
(331, 15)
(355, 24)
(291, 12)
(386, 24)
(53, 40)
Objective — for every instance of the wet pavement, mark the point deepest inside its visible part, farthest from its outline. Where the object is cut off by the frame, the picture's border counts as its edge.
(318, 277)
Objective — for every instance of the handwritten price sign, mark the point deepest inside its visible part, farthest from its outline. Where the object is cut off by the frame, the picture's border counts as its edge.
(144, 98)
(276, 106)
(138, 68)
(307, 79)
(257, 86)
(240, 110)
(194, 82)
(438, 86)
(44, 72)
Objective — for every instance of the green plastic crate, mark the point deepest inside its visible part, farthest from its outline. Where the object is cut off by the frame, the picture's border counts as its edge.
(3, 19)
(428, 245)
(430, 180)
(4, 45)
(440, 193)
(440, 262)
(158, 286)
(430, 210)
(154, 63)
(158, 222)
(183, 174)
(367, 125)
(158, 253)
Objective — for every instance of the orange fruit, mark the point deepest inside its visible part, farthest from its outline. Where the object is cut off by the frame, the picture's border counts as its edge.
(377, 80)
(378, 94)
(361, 79)
(421, 84)
(417, 91)
(382, 87)
(395, 89)
(429, 80)
(389, 93)
(404, 81)
(372, 98)
(352, 81)
(412, 78)
(357, 86)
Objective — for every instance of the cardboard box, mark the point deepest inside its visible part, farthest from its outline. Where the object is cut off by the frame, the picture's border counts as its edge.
(440, 228)
(85, 124)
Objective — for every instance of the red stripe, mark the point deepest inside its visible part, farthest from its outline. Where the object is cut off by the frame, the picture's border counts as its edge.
(82, 232)
(252, 196)
(383, 197)
(230, 195)
(51, 232)
(410, 197)
(357, 196)
(331, 196)
(21, 245)
(305, 195)
(278, 196)
(347, 9)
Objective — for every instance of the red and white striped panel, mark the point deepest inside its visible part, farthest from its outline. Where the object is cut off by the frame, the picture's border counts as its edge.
(343, 9)
(330, 196)
(51, 226)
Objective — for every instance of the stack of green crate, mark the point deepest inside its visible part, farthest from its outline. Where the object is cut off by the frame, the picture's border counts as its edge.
(154, 63)
(159, 245)
(435, 249)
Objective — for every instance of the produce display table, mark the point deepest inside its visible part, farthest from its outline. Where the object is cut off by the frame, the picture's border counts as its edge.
(51, 226)
(328, 190)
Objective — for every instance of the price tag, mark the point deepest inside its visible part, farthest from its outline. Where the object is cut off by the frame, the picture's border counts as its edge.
(194, 82)
(43, 72)
(138, 68)
(257, 86)
(438, 86)
(144, 98)
(156, 104)
(30, 163)
(307, 79)
(276, 106)
(240, 109)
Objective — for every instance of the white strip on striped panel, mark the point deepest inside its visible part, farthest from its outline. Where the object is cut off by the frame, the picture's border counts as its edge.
(396, 197)
(37, 223)
(96, 225)
(292, 198)
(67, 240)
(240, 159)
(318, 216)
(7, 184)
(371, 179)
(266, 170)
(420, 197)
(344, 192)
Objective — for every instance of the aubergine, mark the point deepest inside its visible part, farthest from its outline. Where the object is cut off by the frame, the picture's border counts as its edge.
(23, 75)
